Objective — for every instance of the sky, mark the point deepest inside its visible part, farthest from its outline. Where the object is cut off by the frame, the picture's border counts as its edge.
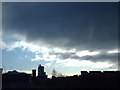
(66, 36)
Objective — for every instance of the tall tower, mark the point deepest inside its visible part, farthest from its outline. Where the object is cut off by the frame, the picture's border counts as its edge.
(41, 72)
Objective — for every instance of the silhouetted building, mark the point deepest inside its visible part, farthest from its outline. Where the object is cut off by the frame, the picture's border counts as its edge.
(109, 74)
(14, 75)
(95, 73)
(41, 72)
(12, 72)
(53, 77)
(84, 73)
(14, 79)
(34, 73)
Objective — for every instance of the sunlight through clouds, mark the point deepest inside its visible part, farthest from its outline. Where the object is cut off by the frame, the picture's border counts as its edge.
(45, 57)
(37, 58)
(24, 45)
(86, 52)
(43, 54)
(114, 51)
(77, 63)
(59, 50)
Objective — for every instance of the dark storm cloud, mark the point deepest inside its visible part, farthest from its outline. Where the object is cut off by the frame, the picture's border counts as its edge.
(113, 57)
(91, 26)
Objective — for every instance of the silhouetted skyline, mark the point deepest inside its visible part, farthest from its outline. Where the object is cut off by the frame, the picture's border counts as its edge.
(91, 79)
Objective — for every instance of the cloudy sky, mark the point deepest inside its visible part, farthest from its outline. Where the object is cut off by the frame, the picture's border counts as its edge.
(68, 37)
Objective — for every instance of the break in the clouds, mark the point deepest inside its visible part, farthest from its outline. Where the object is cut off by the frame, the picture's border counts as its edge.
(66, 33)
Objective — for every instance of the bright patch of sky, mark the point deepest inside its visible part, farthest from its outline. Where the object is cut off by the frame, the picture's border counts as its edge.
(24, 56)
(114, 51)
(86, 52)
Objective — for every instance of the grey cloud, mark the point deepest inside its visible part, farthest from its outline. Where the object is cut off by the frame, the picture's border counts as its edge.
(90, 26)
(66, 55)
(63, 55)
(101, 57)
